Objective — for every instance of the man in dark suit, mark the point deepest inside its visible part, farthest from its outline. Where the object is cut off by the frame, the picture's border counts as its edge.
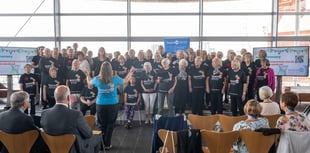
(15, 121)
(60, 120)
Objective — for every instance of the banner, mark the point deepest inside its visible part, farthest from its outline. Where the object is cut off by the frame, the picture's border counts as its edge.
(174, 44)
(13, 59)
(287, 61)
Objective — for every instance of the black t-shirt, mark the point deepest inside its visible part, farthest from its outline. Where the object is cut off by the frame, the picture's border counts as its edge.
(227, 65)
(236, 80)
(251, 70)
(121, 71)
(198, 77)
(156, 66)
(257, 63)
(76, 81)
(97, 64)
(132, 94)
(89, 94)
(191, 65)
(35, 61)
(166, 81)
(182, 81)
(51, 84)
(216, 79)
(262, 78)
(129, 63)
(114, 64)
(45, 64)
(206, 64)
(138, 65)
(148, 80)
(68, 63)
(29, 83)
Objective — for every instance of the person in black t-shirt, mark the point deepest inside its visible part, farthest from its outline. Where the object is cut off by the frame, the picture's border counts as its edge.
(261, 56)
(249, 65)
(76, 82)
(264, 77)
(35, 65)
(149, 85)
(88, 99)
(156, 64)
(132, 98)
(215, 85)
(181, 88)
(49, 86)
(166, 85)
(237, 88)
(29, 82)
(197, 84)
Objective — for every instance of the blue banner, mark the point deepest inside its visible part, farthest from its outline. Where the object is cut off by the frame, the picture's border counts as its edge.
(174, 44)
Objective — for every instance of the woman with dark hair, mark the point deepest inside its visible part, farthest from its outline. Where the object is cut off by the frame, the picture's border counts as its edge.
(261, 56)
(264, 77)
(292, 120)
(249, 66)
(99, 60)
(107, 100)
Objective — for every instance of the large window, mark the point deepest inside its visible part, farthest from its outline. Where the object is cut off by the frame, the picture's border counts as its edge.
(98, 26)
(249, 25)
(166, 26)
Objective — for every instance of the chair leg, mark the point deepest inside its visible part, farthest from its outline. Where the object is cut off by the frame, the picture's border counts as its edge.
(139, 117)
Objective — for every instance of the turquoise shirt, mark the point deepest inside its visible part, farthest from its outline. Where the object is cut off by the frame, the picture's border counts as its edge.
(107, 93)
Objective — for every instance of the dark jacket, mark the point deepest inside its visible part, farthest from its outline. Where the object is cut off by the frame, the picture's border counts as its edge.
(60, 120)
(15, 121)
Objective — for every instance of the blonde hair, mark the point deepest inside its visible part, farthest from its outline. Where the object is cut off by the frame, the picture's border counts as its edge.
(252, 107)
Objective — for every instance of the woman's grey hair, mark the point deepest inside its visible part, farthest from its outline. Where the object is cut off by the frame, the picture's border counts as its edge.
(147, 64)
(61, 94)
(19, 98)
(265, 92)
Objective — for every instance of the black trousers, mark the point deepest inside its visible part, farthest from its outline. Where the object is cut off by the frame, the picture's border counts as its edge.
(198, 100)
(216, 102)
(85, 107)
(107, 115)
(236, 103)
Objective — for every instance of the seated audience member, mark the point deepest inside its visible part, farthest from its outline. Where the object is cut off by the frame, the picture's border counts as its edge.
(88, 99)
(252, 109)
(268, 106)
(15, 121)
(292, 120)
(60, 120)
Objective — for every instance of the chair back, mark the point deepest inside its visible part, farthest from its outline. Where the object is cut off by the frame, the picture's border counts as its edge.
(58, 144)
(272, 119)
(219, 142)
(203, 122)
(19, 143)
(228, 122)
(293, 141)
(169, 139)
(91, 120)
(256, 142)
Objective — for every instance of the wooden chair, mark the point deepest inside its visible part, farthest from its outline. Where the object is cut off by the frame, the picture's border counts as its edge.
(58, 144)
(218, 142)
(303, 97)
(169, 138)
(19, 143)
(272, 119)
(91, 120)
(203, 122)
(228, 122)
(256, 142)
